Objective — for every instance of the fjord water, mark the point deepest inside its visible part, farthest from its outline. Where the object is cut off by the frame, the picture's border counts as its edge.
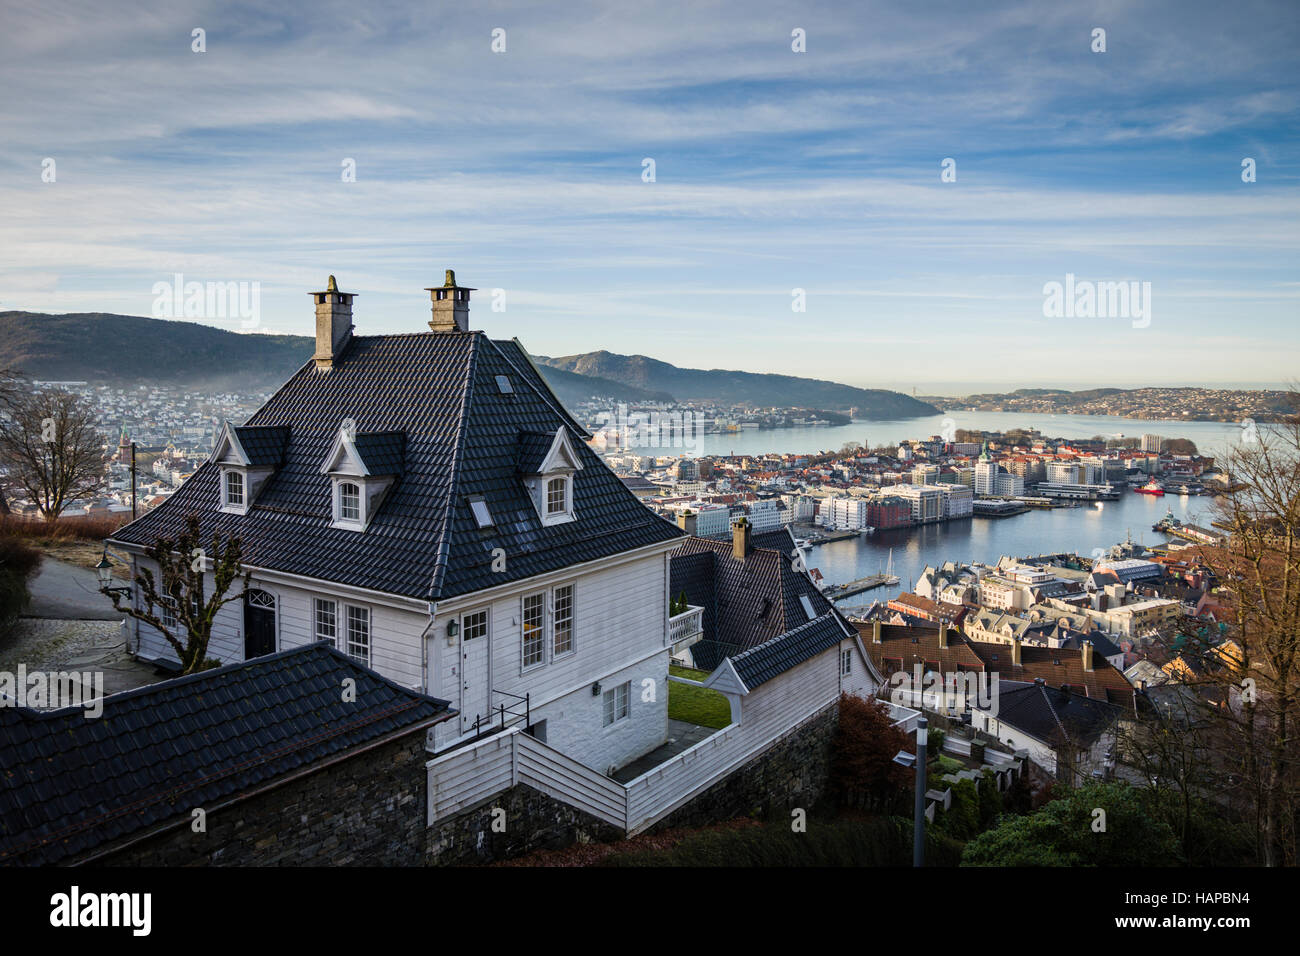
(1090, 526)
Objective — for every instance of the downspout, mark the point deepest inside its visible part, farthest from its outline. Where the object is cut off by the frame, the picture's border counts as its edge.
(424, 649)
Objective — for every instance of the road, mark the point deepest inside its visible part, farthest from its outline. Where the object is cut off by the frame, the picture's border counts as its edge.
(65, 591)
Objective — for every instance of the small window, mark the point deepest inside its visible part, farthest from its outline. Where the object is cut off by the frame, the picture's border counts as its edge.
(615, 701)
(481, 513)
(359, 634)
(474, 625)
(235, 489)
(534, 626)
(807, 606)
(563, 624)
(504, 386)
(327, 621)
(167, 613)
(846, 663)
(557, 496)
(349, 501)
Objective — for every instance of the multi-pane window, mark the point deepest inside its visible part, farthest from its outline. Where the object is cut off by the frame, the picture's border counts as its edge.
(359, 634)
(846, 663)
(474, 625)
(534, 629)
(563, 622)
(349, 502)
(327, 621)
(557, 496)
(615, 700)
(235, 489)
(167, 612)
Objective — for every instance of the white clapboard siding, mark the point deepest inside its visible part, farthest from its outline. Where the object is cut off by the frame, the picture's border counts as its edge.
(467, 776)
(546, 769)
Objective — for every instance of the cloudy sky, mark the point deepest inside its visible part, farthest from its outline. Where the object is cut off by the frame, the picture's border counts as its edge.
(774, 171)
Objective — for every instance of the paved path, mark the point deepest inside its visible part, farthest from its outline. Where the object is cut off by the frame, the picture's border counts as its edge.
(67, 592)
(681, 736)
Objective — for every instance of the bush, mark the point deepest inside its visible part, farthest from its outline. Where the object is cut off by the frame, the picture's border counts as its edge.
(1062, 833)
(863, 773)
(18, 562)
(880, 841)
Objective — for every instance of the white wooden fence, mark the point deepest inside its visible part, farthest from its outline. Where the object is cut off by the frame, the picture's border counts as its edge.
(466, 777)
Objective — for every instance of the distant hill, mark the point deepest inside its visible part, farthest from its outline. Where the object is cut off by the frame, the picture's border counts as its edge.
(104, 348)
(752, 388)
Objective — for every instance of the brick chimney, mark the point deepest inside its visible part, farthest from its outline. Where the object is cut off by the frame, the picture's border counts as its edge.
(686, 520)
(1086, 649)
(450, 305)
(740, 541)
(1015, 652)
(333, 323)
(943, 635)
(875, 631)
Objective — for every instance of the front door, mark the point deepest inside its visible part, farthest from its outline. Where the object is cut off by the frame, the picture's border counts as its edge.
(259, 624)
(475, 672)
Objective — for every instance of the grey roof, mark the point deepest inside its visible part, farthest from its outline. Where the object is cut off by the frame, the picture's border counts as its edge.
(461, 440)
(264, 446)
(533, 449)
(1051, 714)
(72, 783)
(382, 452)
(772, 658)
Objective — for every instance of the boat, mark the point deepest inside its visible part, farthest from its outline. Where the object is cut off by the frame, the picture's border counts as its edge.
(890, 576)
(867, 531)
(1152, 487)
(1166, 523)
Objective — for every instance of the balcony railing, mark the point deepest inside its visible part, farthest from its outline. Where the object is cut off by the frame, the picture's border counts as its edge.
(686, 627)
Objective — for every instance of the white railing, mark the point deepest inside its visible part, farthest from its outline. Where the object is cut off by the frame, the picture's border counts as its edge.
(684, 626)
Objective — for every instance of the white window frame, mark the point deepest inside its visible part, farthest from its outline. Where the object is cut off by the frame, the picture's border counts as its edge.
(564, 515)
(465, 625)
(556, 653)
(352, 524)
(541, 638)
(846, 663)
(317, 606)
(610, 707)
(227, 505)
(369, 632)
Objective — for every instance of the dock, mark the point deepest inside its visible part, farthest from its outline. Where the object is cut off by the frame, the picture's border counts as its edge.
(838, 592)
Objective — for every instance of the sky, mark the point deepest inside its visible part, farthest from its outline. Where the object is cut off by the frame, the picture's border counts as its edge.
(128, 157)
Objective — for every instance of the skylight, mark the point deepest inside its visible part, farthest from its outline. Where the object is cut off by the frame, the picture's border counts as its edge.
(481, 513)
(807, 606)
(504, 385)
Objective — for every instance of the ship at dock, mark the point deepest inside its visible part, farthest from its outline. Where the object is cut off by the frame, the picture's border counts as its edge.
(1152, 487)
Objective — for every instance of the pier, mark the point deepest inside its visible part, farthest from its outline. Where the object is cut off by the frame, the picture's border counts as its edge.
(837, 592)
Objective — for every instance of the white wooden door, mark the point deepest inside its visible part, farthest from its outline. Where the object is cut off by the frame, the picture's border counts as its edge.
(475, 671)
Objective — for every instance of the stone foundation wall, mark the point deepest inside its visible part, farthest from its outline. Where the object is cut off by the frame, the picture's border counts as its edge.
(366, 810)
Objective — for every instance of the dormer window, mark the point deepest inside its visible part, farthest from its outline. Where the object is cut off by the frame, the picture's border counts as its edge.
(247, 456)
(362, 467)
(548, 463)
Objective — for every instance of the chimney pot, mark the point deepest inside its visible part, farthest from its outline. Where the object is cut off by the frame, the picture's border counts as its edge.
(333, 323)
(1087, 655)
(741, 544)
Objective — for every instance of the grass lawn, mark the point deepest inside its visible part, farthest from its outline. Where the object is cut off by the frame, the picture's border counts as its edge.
(696, 705)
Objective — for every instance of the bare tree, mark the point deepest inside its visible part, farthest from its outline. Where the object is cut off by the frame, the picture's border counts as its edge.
(177, 604)
(51, 448)
(12, 388)
(1252, 677)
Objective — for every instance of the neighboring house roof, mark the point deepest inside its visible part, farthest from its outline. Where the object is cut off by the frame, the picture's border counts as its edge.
(71, 784)
(746, 603)
(1057, 666)
(1052, 715)
(906, 645)
(461, 437)
(772, 658)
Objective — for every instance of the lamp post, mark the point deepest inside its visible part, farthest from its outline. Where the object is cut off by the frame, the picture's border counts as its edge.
(105, 571)
(917, 760)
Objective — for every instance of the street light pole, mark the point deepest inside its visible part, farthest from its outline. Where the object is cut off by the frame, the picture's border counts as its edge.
(132, 481)
(918, 815)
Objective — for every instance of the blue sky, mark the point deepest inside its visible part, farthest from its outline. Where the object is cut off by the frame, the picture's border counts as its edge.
(775, 170)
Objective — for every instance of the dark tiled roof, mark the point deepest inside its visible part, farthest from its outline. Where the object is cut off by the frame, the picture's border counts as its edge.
(263, 446)
(533, 448)
(746, 603)
(70, 783)
(906, 645)
(1053, 715)
(461, 440)
(1057, 666)
(773, 658)
(381, 452)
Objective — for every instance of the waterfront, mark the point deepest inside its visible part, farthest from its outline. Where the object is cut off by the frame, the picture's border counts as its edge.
(1211, 438)
(1097, 525)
